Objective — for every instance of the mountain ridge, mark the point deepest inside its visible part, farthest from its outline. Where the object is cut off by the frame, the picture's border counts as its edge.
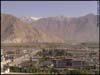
(50, 29)
(13, 30)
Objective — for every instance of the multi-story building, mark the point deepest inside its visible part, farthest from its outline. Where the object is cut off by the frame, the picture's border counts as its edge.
(68, 63)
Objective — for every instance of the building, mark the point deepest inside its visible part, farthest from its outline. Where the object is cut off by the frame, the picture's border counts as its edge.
(3, 63)
(2, 59)
(68, 63)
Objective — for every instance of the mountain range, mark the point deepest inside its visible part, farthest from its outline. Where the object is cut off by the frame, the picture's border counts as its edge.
(54, 29)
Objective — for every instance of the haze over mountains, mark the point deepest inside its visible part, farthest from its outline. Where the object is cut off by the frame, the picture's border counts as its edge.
(57, 29)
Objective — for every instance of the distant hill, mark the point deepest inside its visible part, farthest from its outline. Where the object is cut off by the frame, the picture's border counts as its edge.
(70, 29)
(13, 30)
(56, 29)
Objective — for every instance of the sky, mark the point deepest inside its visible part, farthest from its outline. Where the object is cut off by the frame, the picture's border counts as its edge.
(49, 8)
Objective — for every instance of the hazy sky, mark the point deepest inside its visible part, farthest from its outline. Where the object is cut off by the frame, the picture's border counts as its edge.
(49, 8)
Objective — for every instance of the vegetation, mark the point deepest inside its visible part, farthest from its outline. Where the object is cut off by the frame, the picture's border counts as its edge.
(52, 71)
(54, 52)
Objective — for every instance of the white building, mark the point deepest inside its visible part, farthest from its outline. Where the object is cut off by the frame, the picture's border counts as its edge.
(3, 62)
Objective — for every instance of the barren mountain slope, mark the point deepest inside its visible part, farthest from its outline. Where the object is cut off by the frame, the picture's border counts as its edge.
(77, 29)
(15, 31)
